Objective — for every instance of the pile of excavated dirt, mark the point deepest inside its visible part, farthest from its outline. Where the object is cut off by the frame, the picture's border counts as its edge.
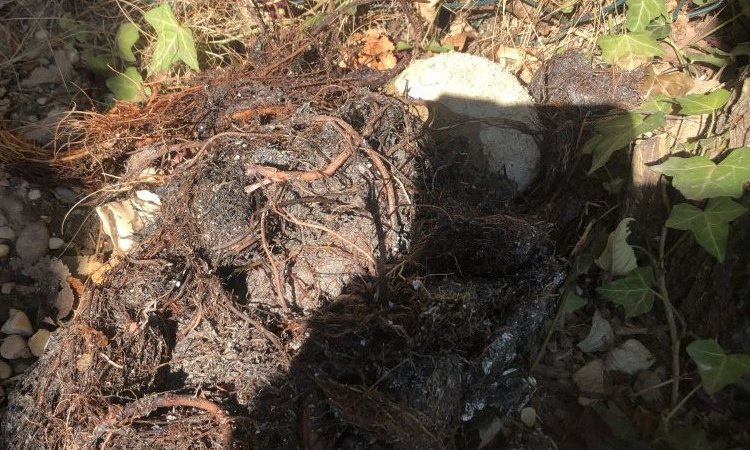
(310, 281)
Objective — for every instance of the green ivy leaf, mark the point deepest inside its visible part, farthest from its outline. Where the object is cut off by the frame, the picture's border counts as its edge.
(698, 177)
(658, 103)
(630, 50)
(697, 104)
(716, 368)
(73, 28)
(617, 133)
(632, 292)
(573, 303)
(174, 43)
(642, 12)
(435, 47)
(127, 86)
(126, 37)
(403, 45)
(618, 258)
(99, 65)
(710, 226)
(708, 58)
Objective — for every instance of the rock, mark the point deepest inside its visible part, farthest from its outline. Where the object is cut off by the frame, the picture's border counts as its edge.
(18, 323)
(7, 232)
(34, 194)
(5, 370)
(590, 378)
(41, 35)
(55, 243)
(476, 88)
(41, 75)
(38, 342)
(528, 416)
(65, 194)
(14, 347)
(4, 250)
(42, 101)
(33, 242)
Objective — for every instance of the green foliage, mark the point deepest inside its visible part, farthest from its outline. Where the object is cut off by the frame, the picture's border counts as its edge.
(630, 50)
(642, 12)
(618, 258)
(174, 43)
(697, 104)
(698, 177)
(435, 47)
(716, 368)
(632, 292)
(127, 86)
(710, 226)
(73, 28)
(127, 35)
(688, 438)
(617, 133)
(573, 302)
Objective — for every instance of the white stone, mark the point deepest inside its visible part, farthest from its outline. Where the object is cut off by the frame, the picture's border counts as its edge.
(475, 87)
(7, 232)
(14, 347)
(528, 416)
(4, 250)
(18, 323)
(41, 35)
(5, 370)
(590, 378)
(7, 287)
(38, 342)
(55, 243)
(42, 100)
(35, 194)
(33, 242)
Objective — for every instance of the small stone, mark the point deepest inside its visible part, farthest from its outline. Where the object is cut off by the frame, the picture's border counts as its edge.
(66, 194)
(18, 323)
(14, 347)
(7, 287)
(7, 232)
(528, 416)
(5, 370)
(55, 243)
(35, 194)
(12, 205)
(73, 55)
(33, 242)
(42, 100)
(38, 342)
(41, 35)
(4, 250)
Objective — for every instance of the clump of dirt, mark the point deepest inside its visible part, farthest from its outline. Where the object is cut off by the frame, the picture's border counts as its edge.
(304, 285)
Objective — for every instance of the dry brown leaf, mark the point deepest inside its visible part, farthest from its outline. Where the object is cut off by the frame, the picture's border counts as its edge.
(457, 41)
(673, 84)
(371, 49)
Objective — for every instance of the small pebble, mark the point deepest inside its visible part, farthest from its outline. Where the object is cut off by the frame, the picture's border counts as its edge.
(18, 323)
(42, 100)
(7, 287)
(5, 370)
(66, 194)
(38, 342)
(73, 56)
(14, 347)
(55, 243)
(33, 242)
(7, 232)
(528, 416)
(4, 250)
(35, 194)
(41, 35)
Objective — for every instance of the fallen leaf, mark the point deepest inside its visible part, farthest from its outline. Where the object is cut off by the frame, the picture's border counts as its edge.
(631, 357)
(428, 9)
(457, 41)
(673, 84)
(618, 258)
(600, 336)
(373, 49)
